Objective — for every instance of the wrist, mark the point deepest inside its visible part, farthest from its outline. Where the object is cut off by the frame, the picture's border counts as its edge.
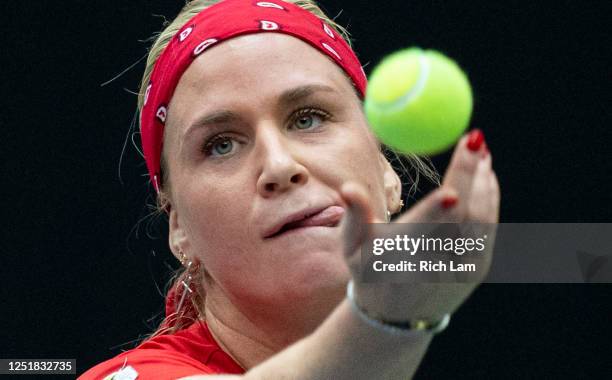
(397, 325)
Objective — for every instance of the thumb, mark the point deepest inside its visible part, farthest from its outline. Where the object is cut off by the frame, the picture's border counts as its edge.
(358, 216)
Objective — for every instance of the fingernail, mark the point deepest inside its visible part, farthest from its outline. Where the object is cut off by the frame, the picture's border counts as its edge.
(475, 140)
(448, 202)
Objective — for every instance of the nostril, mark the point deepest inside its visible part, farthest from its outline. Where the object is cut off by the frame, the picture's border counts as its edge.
(296, 178)
(274, 185)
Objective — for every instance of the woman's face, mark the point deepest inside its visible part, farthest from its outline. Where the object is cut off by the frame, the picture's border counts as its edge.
(262, 130)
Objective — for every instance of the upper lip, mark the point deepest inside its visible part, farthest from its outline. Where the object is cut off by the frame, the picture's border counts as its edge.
(294, 217)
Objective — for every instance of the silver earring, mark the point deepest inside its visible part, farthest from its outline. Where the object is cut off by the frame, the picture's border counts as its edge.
(182, 257)
(186, 283)
(388, 216)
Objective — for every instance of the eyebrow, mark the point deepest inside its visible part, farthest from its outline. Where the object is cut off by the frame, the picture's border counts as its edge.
(287, 98)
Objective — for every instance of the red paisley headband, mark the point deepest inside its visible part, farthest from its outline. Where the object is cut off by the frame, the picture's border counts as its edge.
(220, 22)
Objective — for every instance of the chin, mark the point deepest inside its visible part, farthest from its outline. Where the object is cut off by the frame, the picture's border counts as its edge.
(317, 274)
(310, 296)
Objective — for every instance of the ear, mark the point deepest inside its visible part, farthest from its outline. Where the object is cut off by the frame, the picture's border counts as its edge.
(393, 186)
(177, 236)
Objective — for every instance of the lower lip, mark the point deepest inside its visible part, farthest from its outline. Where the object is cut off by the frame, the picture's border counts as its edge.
(306, 229)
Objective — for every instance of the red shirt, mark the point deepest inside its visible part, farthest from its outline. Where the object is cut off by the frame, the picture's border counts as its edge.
(188, 352)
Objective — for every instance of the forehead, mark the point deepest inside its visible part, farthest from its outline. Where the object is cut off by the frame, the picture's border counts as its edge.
(255, 67)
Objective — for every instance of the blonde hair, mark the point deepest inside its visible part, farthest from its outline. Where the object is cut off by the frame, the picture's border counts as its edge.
(191, 9)
(411, 166)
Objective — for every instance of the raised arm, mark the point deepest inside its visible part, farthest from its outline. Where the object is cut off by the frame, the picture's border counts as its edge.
(348, 346)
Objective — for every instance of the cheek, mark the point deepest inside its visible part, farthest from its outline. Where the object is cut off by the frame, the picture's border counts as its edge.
(359, 160)
(219, 236)
(214, 215)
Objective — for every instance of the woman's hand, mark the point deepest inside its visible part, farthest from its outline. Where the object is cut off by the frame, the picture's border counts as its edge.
(469, 193)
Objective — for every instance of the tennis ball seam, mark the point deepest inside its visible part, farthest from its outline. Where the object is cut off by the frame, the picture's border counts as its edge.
(416, 90)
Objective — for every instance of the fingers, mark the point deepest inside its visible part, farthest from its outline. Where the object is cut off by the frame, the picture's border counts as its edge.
(480, 201)
(495, 194)
(484, 197)
(358, 215)
(464, 162)
(454, 198)
(437, 207)
(470, 173)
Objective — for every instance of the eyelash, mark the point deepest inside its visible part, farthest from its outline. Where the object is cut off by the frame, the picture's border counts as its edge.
(310, 111)
(210, 143)
(305, 111)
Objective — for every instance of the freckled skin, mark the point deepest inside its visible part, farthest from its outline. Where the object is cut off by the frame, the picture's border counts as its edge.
(221, 204)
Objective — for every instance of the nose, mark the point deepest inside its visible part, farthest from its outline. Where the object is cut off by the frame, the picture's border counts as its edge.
(279, 171)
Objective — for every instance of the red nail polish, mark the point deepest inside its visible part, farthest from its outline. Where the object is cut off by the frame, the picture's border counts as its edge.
(448, 202)
(475, 140)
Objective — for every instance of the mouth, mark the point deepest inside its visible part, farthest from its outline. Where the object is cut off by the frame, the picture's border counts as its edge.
(322, 217)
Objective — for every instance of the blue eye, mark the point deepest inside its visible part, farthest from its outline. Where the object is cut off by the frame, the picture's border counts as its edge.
(219, 146)
(223, 147)
(304, 122)
(309, 119)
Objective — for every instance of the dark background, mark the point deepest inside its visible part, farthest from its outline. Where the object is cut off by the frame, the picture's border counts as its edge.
(82, 264)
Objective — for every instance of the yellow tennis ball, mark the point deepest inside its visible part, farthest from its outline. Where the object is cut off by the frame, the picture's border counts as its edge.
(418, 101)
